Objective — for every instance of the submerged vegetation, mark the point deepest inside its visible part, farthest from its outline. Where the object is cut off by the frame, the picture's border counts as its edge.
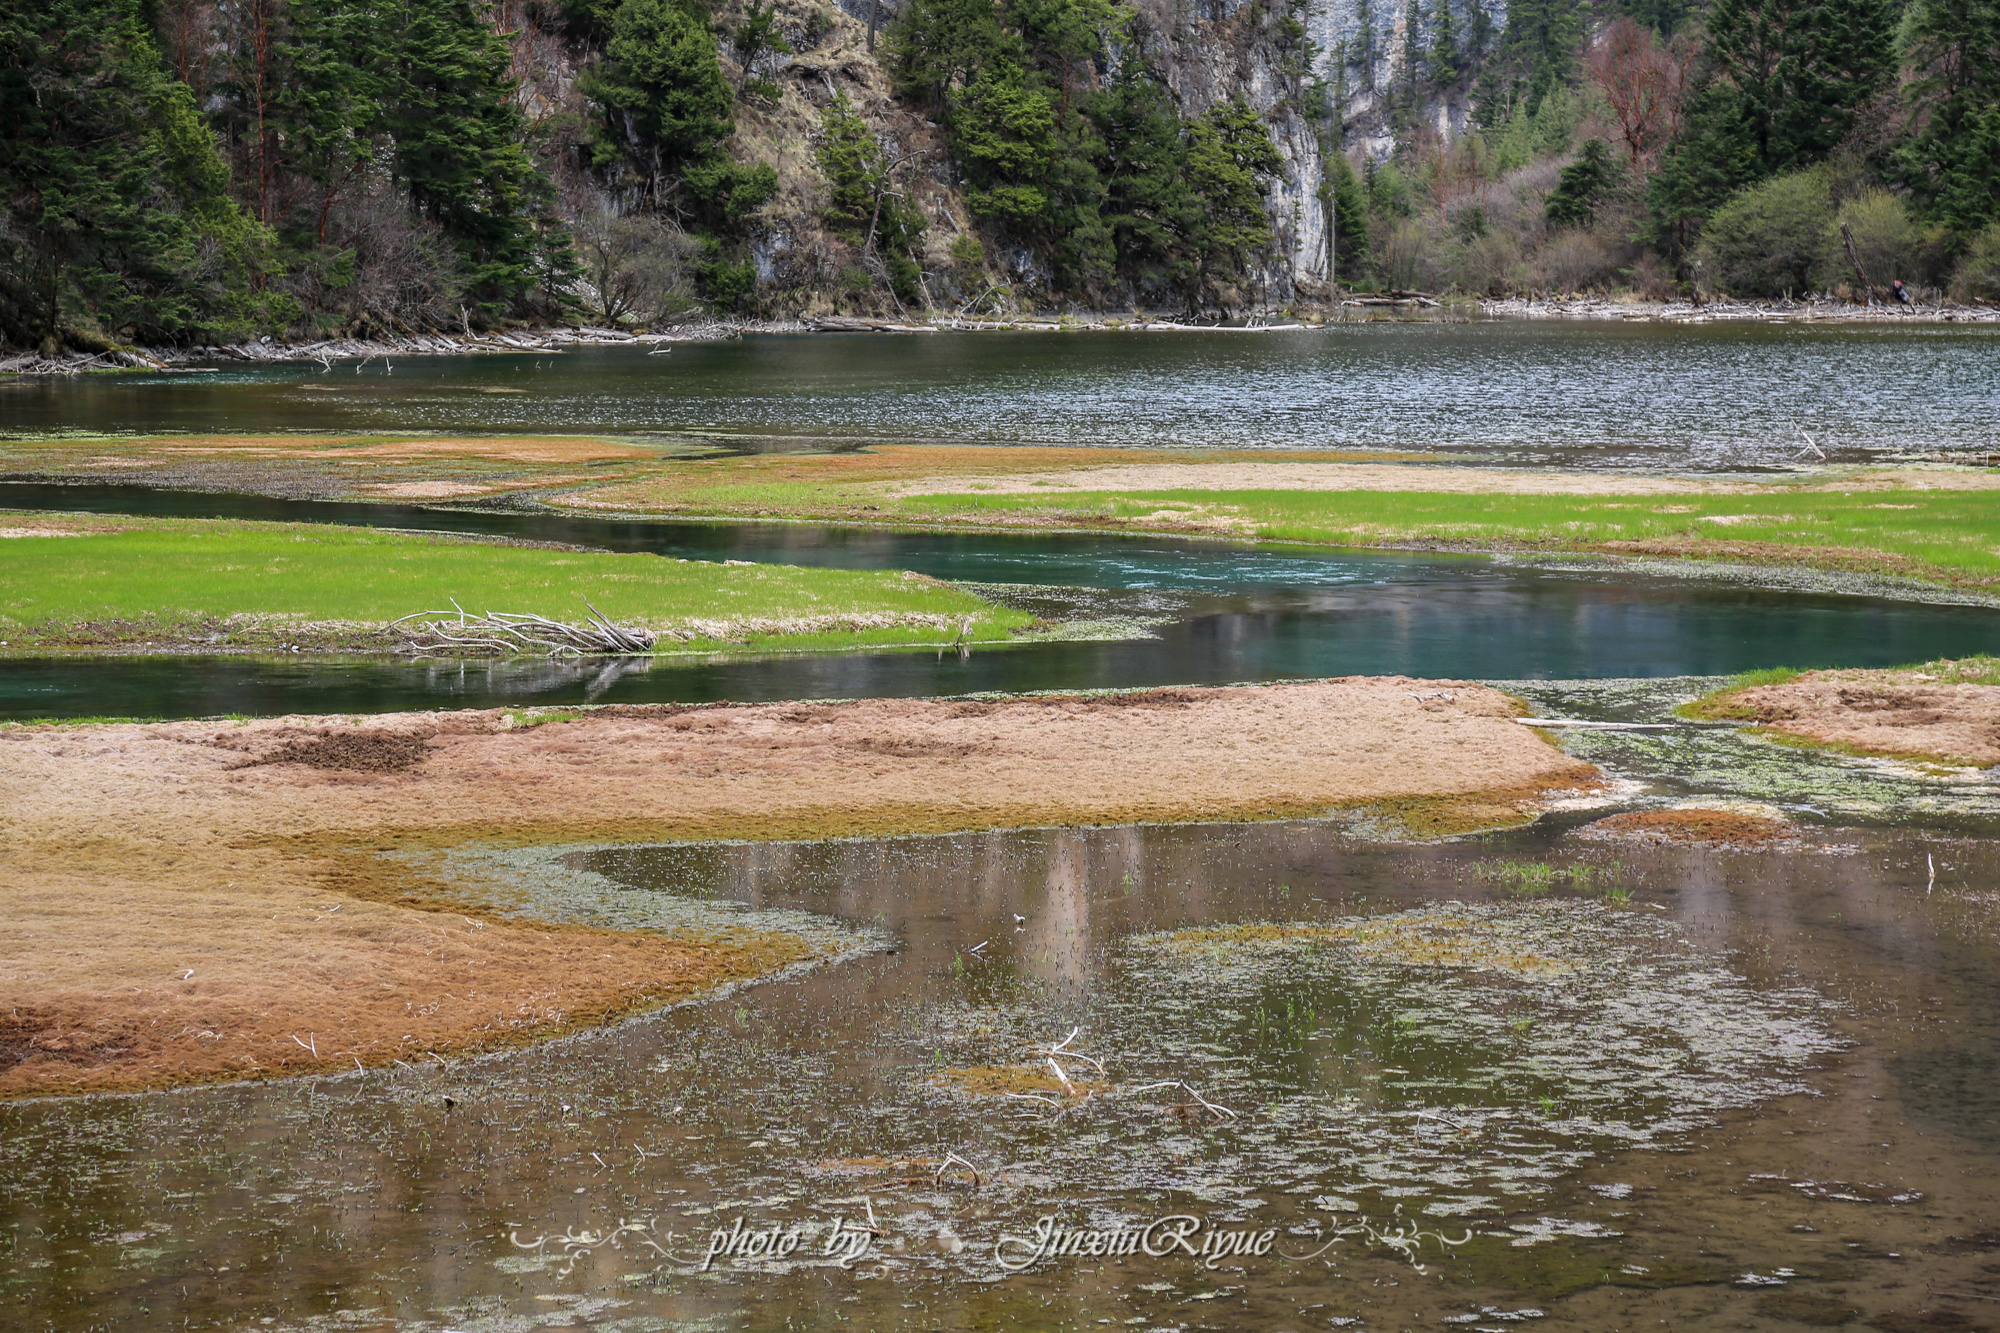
(1448, 1061)
(1946, 536)
(1873, 523)
(1534, 879)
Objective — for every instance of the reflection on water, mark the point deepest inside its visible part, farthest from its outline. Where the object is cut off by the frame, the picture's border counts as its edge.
(1718, 396)
(1759, 1085)
(1452, 620)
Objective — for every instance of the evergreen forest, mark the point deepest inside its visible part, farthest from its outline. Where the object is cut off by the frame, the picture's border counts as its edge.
(195, 172)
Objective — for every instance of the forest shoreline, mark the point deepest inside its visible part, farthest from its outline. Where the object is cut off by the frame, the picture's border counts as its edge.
(1411, 307)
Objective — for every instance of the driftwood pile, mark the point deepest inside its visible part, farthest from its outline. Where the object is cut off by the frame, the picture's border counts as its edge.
(522, 632)
(844, 324)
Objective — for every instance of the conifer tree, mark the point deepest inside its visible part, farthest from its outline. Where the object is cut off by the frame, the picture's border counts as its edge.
(331, 103)
(1801, 71)
(1342, 194)
(1582, 186)
(1447, 60)
(119, 221)
(667, 110)
(1952, 162)
(662, 89)
(450, 110)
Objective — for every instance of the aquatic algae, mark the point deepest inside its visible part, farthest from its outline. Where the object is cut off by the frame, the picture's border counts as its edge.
(1453, 1061)
(1429, 939)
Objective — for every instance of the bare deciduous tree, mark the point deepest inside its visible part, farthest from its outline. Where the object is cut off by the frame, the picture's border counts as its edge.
(637, 266)
(1643, 80)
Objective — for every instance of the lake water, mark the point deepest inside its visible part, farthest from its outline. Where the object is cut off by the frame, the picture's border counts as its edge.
(1761, 1089)
(1596, 393)
(1691, 1088)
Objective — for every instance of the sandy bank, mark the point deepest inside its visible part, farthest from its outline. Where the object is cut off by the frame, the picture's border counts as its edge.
(1328, 476)
(1915, 714)
(203, 900)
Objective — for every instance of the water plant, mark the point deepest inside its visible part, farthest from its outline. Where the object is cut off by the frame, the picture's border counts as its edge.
(1534, 879)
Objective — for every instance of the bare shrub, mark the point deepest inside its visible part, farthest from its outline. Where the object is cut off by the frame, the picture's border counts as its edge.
(636, 267)
(1650, 279)
(1492, 263)
(1576, 260)
(1978, 276)
(1411, 256)
(383, 268)
(1642, 81)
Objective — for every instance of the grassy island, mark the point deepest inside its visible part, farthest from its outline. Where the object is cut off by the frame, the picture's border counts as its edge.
(88, 581)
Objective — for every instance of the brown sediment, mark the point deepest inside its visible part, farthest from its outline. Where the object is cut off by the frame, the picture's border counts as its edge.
(1695, 827)
(1023, 1080)
(1328, 475)
(199, 900)
(1842, 559)
(1920, 714)
(499, 448)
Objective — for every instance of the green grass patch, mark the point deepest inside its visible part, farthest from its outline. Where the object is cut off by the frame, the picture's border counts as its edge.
(162, 575)
(1948, 535)
(1534, 879)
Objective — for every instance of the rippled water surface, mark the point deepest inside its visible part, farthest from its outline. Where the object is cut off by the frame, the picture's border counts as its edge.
(1687, 1088)
(1715, 396)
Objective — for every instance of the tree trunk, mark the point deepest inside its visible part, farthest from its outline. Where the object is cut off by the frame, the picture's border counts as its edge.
(1854, 258)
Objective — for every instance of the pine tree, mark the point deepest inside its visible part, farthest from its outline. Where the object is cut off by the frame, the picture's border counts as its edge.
(1539, 48)
(1801, 70)
(1711, 159)
(457, 131)
(1230, 159)
(331, 103)
(1447, 60)
(665, 102)
(1582, 186)
(119, 221)
(1952, 162)
(1342, 192)
(1140, 166)
(865, 208)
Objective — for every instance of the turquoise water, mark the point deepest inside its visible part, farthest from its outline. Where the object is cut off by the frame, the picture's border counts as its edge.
(1212, 613)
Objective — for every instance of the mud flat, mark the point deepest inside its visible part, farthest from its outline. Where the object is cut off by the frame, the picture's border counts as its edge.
(201, 901)
(1943, 712)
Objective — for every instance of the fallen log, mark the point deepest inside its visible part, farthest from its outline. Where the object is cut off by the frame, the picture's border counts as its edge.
(518, 631)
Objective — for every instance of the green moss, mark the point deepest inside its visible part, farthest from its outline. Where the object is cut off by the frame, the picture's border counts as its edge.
(1721, 705)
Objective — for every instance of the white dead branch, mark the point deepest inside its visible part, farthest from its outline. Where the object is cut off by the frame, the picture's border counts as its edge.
(518, 631)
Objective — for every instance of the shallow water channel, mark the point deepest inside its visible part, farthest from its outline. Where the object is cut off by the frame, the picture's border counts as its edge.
(1526, 1078)
(1761, 1089)
(1169, 612)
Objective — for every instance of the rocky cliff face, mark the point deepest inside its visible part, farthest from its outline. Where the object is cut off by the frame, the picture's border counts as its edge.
(1320, 72)
(1325, 89)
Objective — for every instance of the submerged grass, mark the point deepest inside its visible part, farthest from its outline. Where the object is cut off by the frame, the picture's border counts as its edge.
(214, 580)
(1534, 879)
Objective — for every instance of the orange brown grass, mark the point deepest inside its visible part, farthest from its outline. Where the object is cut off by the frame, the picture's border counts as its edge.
(132, 854)
(1704, 828)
